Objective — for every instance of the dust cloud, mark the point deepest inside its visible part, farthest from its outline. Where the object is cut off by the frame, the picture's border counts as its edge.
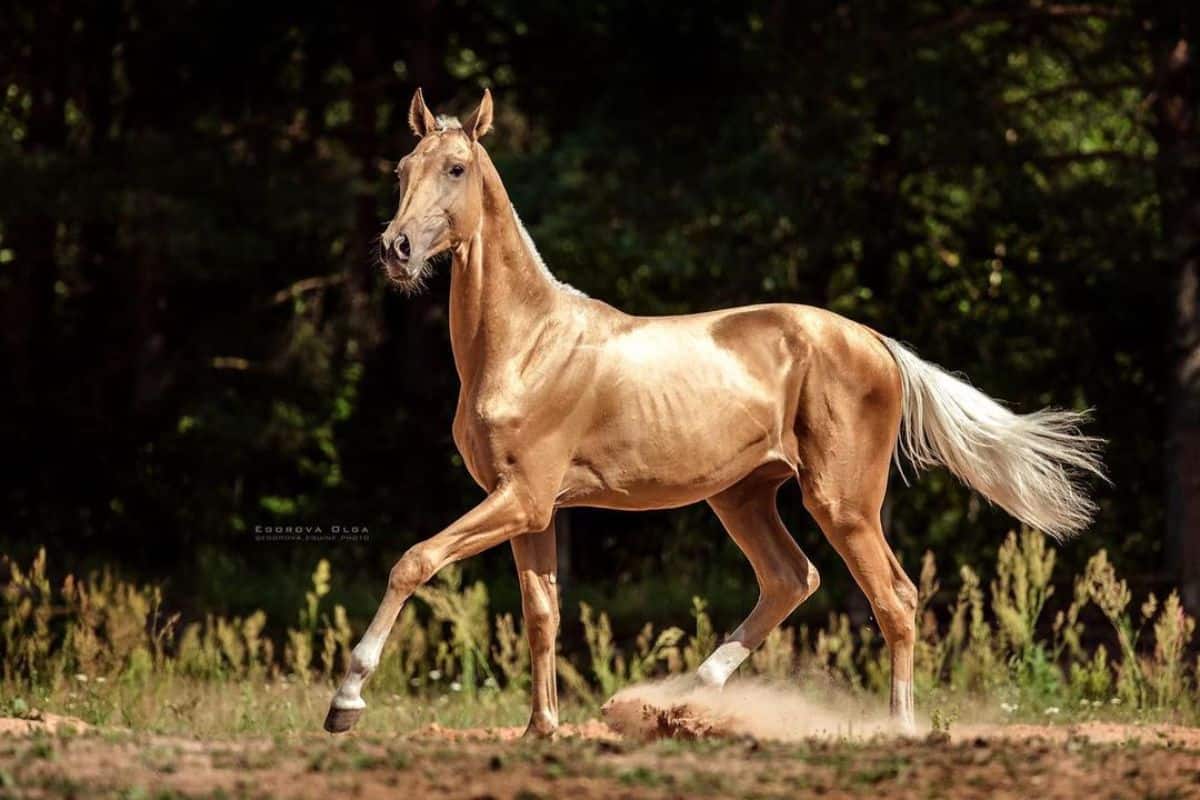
(681, 707)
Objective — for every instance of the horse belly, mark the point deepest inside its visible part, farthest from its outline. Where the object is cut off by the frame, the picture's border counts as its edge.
(672, 452)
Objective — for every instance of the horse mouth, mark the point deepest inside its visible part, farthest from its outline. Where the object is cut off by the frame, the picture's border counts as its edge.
(406, 272)
(407, 277)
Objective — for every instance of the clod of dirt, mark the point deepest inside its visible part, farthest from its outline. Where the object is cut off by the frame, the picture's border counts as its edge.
(681, 722)
(636, 718)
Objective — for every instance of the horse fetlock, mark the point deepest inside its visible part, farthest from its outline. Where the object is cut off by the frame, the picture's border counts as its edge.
(711, 675)
(542, 724)
(348, 701)
(902, 706)
(717, 668)
(364, 659)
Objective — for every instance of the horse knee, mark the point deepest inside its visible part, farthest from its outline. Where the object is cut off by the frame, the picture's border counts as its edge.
(412, 570)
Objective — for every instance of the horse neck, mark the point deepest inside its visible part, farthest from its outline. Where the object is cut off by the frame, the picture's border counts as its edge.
(498, 289)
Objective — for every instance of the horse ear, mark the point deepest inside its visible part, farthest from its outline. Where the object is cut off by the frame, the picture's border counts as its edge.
(420, 118)
(480, 122)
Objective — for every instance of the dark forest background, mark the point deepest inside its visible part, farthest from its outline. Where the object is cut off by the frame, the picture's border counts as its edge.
(195, 344)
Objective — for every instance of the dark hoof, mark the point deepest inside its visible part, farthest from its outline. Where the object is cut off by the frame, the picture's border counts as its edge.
(340, 720)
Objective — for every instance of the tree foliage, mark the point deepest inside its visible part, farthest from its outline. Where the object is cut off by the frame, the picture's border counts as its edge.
(196, 344)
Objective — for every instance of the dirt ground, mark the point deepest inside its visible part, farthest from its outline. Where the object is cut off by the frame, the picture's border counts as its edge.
(667, 754)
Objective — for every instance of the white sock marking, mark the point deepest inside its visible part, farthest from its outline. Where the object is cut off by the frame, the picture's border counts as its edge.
(363, 661)
(717, 668)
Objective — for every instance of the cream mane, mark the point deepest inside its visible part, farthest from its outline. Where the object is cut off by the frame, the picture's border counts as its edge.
(537, 258)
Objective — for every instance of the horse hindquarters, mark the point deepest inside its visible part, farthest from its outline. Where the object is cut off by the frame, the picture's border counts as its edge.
(848, 421)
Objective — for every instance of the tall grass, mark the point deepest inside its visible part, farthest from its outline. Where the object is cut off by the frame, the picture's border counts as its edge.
(107, 650)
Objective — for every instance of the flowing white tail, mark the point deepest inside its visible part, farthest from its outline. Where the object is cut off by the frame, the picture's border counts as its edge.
(1031, 465)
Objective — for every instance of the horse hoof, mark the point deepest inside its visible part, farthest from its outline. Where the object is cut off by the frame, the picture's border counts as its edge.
(541, 727)
(545, 734)
(340, 720)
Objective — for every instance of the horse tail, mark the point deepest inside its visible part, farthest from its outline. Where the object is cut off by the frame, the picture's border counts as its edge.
(1031, 465)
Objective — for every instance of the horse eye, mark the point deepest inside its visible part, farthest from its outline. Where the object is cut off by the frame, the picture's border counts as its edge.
(457, 170)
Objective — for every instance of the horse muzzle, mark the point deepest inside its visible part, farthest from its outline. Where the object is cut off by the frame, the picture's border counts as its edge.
(402, 271)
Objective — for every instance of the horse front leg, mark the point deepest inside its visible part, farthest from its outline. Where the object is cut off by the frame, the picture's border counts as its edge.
(536, 555)
(507, 512)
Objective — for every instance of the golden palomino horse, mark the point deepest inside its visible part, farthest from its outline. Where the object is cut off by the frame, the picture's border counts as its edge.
(566, 401)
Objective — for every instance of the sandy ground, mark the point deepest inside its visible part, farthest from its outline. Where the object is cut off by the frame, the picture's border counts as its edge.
(41, 722)
(697, 747)
(677, 708)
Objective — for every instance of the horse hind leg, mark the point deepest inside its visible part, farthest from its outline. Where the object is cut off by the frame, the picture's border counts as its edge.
(845, 500)
(785, 575)
(846, 432)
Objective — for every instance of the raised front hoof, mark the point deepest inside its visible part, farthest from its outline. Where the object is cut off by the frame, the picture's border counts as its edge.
(340, 720)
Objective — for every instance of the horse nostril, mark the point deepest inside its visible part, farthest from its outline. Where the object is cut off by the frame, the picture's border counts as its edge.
(401, 245)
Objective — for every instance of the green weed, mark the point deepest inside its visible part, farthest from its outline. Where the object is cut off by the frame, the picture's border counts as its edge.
(106, 650)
